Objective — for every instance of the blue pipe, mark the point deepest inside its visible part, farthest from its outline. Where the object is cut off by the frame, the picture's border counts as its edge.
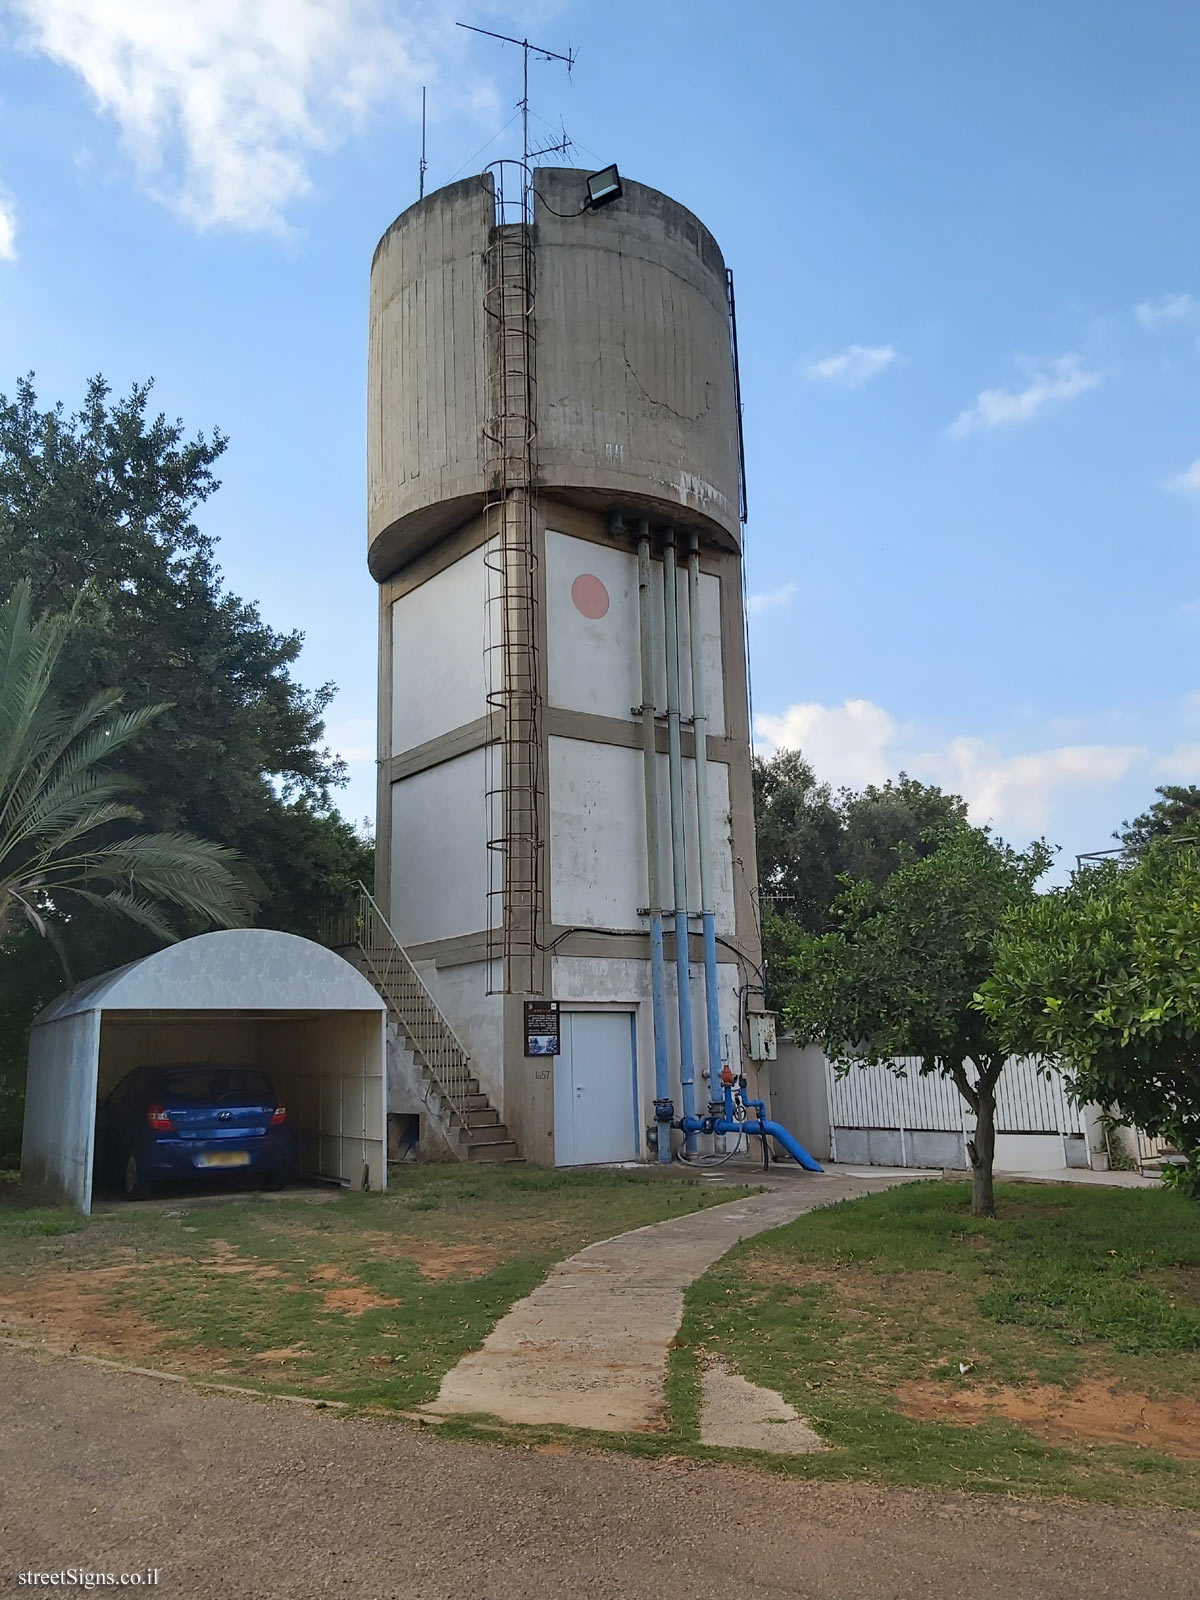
(757, 1127)
(683, 976)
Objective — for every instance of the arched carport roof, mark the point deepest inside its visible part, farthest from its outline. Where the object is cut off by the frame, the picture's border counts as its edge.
(238, 969)
(242, 973)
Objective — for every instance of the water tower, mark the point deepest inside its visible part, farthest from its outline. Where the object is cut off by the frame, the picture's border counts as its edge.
(554, 487)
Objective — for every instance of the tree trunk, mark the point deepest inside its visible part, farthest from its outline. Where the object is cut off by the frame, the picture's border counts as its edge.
(983, 1150)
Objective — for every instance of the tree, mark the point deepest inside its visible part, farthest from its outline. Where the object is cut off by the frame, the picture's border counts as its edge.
(1175, 814)
(899, 975)
(62, 806)
(1103, 978)
(799, 840)
(107, 498)
(808, 838)
(887, 824)
(102, 504)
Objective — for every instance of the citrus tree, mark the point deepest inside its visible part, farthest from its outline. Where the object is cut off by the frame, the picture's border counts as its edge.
(1103, 978)
(898, 977)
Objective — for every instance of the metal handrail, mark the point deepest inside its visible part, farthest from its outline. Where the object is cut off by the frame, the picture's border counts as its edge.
(445, 1057)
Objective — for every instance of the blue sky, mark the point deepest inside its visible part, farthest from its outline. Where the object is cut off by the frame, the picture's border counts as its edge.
(964, 239)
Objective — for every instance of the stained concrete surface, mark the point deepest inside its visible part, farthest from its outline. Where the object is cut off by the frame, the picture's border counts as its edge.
(588, 1348)
(231, 1497)
(741, 1415)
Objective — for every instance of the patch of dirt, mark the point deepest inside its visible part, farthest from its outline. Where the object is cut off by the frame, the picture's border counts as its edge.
(227, 1262)
(327, 1274)
(354, 1300)
(285, 1352)
(435, 1262)
(349, 1297)
(1093, 1411)
(67, 1308)
(860, 1291)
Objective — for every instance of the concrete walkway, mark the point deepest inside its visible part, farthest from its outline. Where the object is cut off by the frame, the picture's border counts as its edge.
(588, 1348)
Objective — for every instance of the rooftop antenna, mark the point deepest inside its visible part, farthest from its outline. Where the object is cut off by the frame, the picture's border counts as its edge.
(543, 55)
(424, 163)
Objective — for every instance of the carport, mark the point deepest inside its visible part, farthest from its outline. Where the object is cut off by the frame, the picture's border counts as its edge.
(244, 997)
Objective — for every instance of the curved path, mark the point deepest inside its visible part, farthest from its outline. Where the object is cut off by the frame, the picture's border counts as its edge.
(588, 1348)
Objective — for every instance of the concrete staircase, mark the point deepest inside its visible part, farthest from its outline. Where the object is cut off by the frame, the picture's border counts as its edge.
(468, 1124)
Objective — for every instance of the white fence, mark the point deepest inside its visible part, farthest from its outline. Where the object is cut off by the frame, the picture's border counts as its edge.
(1027, 1101)
(922, 1121)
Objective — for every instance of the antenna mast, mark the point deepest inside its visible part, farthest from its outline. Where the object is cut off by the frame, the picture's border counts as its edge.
(543, 55)
(424, 163)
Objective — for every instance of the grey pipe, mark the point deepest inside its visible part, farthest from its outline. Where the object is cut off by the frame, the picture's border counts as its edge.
(687, 1065)
(703, 821)
(662, 1081)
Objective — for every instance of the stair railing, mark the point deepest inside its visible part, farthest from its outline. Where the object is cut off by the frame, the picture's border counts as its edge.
(362, 924)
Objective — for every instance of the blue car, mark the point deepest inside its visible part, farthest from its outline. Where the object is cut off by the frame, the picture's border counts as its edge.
(188, 1123)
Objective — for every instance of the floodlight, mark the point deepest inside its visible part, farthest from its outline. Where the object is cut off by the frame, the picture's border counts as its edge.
(603, 186)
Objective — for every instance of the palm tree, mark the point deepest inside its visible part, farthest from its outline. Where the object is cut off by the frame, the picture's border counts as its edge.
(59, 798)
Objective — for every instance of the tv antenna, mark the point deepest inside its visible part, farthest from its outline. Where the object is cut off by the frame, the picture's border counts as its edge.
(424, 163)
(562, 145)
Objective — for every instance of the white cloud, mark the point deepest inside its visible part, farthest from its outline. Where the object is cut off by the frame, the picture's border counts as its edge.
(1187, 481)
(8, 229)
(222, 104)
(853, 743)
(859, 742)
(1016, 791)
(1171, 308)
(854, 365)
(756, 604)
(1001, 408)
(1181, 765)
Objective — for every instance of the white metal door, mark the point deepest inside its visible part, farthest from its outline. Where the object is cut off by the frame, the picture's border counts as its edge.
(595, 1089)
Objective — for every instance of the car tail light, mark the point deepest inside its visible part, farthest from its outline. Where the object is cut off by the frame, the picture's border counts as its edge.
(159, 1120)
(278, 1116)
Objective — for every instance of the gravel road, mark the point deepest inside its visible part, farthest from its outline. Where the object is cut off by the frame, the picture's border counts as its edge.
(109, 1470)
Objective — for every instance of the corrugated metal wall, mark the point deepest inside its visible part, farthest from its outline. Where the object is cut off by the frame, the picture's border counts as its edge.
(1027, 1101)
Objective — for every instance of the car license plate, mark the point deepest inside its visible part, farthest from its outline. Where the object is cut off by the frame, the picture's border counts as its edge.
(225, 1158)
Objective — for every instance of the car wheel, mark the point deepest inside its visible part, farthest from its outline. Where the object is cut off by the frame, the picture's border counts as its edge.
(136, 1187)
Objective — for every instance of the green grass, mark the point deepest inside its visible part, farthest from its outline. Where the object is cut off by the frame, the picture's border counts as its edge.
(846, 1309)
(368, 1299)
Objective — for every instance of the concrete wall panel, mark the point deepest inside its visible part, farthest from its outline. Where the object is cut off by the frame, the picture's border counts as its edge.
(593, 662)
(438, 662)
(598, 842)
(440, 859)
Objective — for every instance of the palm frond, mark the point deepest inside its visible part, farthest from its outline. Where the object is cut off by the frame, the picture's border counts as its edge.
(43, 793)
(57, 792)
(144, 912)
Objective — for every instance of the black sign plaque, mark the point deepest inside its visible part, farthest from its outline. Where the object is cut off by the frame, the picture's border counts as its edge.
(541, 1028)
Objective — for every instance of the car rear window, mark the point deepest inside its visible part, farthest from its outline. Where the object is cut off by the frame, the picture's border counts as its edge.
(203, 1085)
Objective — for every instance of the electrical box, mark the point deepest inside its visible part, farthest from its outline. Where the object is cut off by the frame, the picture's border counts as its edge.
(762, 1035)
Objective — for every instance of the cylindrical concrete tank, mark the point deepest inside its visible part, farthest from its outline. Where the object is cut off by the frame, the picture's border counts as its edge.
(634, 383)
(540, 396)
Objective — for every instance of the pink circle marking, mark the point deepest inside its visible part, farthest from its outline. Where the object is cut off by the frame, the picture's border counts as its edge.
(589, 596)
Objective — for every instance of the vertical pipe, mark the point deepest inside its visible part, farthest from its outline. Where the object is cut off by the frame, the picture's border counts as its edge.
(687, 1066)
(707, 908)
(662, 1081)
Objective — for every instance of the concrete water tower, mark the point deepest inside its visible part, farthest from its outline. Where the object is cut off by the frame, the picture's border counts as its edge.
(553, 429)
